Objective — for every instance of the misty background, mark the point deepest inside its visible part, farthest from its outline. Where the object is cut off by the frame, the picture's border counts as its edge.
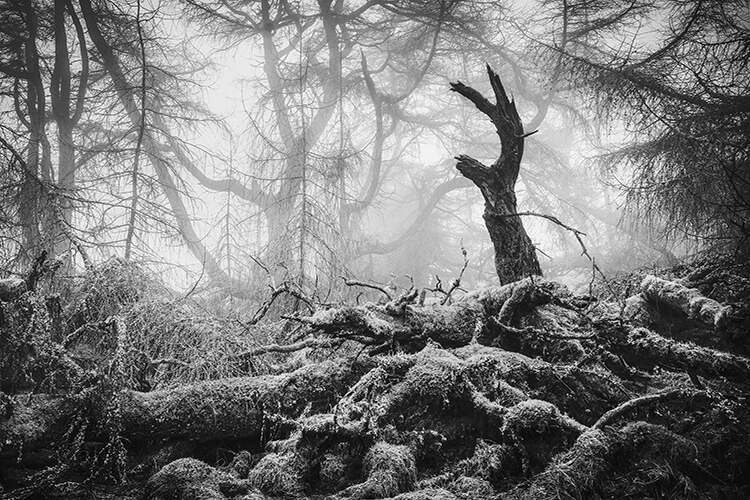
(225, 143)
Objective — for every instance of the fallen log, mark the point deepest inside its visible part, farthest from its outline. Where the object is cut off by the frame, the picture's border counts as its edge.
(690, 301)
(644, 346)
(233, 407)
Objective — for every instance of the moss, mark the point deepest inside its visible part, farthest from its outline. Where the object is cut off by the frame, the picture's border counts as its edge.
(640, 461)
(645, 346)
(252, 496)
(389, 469)
(436, 380)
(469, 488)
(436, 376)
(166, 454)
(494, 298)
(494, 463)
(358, 318)
(540, 430)
(10, 288)
(532, 417)
(427, 494)
(332, 472)
(450, 326)
(391, 462)
(242, 463)
(235, 407)
(573, 474)
(638, 311)
(688, 300)
(279, 474)
(188, 478)
(582, 393)
(487, 365)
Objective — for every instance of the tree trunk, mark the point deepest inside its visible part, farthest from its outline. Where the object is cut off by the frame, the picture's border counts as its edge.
(31, 192)
(515, 255)
(60, 91)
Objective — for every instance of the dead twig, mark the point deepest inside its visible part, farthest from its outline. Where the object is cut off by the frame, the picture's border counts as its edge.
(578, 235)
(284, 288)
(456, 282)
(365, 284)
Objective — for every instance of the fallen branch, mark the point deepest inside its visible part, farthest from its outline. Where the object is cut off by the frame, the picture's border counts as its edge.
(364, 284)
(675, 394)
(287, 348)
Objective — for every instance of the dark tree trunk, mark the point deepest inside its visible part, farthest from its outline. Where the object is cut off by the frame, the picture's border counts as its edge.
(515, 255)
(60, 91)
(32, 192)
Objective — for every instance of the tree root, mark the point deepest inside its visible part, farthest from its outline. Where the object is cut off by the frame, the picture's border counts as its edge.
(583, 471)
(648, 399)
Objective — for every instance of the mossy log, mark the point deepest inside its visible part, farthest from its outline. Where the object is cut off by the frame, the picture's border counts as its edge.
(234, 407)
(533, 316)
(673, 305)
(690, 301)
(644, 347)
(408, 325)
(525, 366)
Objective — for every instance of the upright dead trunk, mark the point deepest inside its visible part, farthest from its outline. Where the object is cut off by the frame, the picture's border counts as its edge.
(515, 256)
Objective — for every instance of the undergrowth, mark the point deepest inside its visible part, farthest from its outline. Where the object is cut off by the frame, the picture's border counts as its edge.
(120, 329)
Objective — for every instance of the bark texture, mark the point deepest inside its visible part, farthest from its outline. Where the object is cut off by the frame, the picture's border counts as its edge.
(515, 255)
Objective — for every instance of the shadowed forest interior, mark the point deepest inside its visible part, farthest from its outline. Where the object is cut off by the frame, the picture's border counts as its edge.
(422, 249)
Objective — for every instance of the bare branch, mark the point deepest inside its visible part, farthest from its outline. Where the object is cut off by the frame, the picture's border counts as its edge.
(364, 284)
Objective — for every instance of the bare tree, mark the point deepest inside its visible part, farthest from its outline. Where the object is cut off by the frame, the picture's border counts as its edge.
(684, 102)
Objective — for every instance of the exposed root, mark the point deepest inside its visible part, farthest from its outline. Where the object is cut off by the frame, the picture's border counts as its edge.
(649, 399)
(496, 387)
(540, 431)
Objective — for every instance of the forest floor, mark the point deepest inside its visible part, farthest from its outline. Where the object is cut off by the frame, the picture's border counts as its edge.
(119, 388)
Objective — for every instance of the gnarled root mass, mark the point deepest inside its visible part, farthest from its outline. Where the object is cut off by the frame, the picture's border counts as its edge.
(518, 391)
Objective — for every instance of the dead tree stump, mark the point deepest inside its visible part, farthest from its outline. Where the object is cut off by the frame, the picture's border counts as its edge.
(515, 255)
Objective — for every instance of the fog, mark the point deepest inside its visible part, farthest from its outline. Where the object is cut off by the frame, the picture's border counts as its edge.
(321, 144)
(416, 161)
